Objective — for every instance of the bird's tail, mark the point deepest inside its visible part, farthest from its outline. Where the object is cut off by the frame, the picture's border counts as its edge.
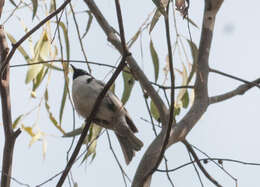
(129, 145)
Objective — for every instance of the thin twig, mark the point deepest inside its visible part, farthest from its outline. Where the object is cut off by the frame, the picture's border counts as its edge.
(233, 77)
(124, 174)
(196, 170)
(204, 171)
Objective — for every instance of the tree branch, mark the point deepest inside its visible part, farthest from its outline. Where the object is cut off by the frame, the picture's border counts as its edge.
(194, 155)
(242, 89)
(10, 135)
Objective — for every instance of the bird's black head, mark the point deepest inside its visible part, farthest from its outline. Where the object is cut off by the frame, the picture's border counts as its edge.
(78, 72)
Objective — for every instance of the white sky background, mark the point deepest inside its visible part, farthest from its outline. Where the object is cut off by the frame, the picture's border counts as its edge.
(227, 130)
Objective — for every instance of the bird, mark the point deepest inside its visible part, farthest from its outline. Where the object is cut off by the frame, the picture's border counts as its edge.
(111, 113)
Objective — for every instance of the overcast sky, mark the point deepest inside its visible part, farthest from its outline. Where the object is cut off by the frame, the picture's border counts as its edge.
(227, 130)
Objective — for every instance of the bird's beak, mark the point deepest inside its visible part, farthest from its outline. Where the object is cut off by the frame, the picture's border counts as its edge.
(73, 67)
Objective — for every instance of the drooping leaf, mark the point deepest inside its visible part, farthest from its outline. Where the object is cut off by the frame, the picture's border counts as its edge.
(35, 7)
(66, 38)
(112, 88)
(133, 39)
(159, 5)
(63, 101)
(154, 111)
(92, 141)
(155, 60)
(29, 130)
(194, 53)
(35, 138)
(45, 47)
(182, 92)
(90, 19)
(17, 121)
(73, 133)
(185, 99)
(20, 48)
(191, 22)
(51, 117)
(155, 19)
(128, 85)
(37, 81)
(33, 72)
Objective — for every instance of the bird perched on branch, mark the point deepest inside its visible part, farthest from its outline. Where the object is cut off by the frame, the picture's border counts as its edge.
(111, 113)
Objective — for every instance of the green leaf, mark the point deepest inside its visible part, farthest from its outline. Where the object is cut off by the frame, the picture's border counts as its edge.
(191, 22)
(185, 100)
(155, 60)
(177, 111)
(112, 88)
(194, 53)
(154, 111)
(92, 141)
(155, 19)
(66, 38)
(51, 116)
(17, 121)
(35, 7)
(90, 19)
(20, 48)
(128, 85)
(159, 6)
(63, 101)
(73, 133)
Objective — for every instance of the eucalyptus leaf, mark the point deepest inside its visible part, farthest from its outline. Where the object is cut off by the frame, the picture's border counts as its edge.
(128, 85)
(155, 60)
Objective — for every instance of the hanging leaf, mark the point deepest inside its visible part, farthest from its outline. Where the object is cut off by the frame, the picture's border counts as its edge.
(33, 72)
(185, 100)
(92, 141)
(45, 48)
(20, 48)
(37, 81)
(128, 85)
(35, 7)
(154, 111)
(29, 130)
(155, 19)
(183, 91)
(155, 60)
(66, 38)
(191, 22)
(13, 3)
(88, 24)
(73, 133)
(51, 117)
(160, 6)
(194, 53)
(133, 39)
(17, 121)
(63, 101)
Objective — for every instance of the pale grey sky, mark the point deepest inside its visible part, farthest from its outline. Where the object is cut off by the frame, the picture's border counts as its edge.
(227, 130)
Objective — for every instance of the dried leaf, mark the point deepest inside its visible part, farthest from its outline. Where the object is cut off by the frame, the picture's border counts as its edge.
(155, 19)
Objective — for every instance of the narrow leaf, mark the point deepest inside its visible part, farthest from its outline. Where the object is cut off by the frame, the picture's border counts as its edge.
(17, 121)
(88, 24)
(20, 48)
(155, 19)
(159, 6)
(35, 7)
(66, 38)
(191, 22)
(185, 100)
(154, 111)
(155, 60)
(73, 133)
(194, 53)
(33, 72)
(63, 101)
(128, 85)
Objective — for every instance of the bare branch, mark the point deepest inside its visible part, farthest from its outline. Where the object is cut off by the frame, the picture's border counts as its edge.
(242, 89)
(204, 171)
(233, 77)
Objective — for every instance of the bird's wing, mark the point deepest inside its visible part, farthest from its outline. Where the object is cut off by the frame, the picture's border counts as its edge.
(114, 103)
